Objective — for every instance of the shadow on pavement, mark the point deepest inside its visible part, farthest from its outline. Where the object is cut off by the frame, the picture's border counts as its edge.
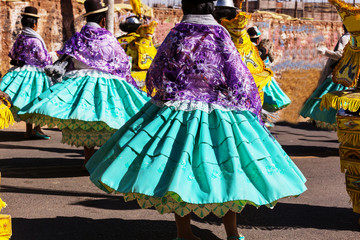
(285, 216)
(42, 167)
(318, 151)
(302, 125)
(45, 149)
(18, 136)
(49, 192)
(79, 228)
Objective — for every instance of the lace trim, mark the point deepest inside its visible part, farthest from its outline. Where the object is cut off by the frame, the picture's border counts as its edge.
(173, 203)
(91, 73)
(72, 124)
(191, 105)
(30, 68)
(90, 138)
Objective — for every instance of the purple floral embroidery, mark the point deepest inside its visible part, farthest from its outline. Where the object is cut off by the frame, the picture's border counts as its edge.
(200, 62)
(31, 51)
(99, 49)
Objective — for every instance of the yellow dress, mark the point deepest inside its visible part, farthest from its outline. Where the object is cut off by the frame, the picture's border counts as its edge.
(248, 51)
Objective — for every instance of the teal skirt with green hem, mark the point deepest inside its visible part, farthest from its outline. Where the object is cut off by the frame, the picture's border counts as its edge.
(323, 118)
(24, 84)
(274, 97)
(195, 161)
(88, 105)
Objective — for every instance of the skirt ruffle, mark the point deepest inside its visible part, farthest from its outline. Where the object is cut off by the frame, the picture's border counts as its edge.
(311, 108)
(86, 100)
(274, 97)
(192, 159)
(24, 84)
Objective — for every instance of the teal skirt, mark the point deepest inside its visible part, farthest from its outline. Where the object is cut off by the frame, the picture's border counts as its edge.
(324, 118)
(274, 97)
(24, 84)
(194, 161)
(88, 106)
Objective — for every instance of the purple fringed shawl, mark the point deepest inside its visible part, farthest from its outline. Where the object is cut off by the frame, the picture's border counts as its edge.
(200, 62)
(31, 51)
(99, 49)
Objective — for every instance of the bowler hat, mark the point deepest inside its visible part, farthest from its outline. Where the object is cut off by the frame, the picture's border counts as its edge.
(93, 7)
(31, 12)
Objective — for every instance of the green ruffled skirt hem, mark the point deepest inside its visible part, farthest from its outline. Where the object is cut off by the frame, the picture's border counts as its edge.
(88, 138)
(311, 108)
(201, 158)
(86, 99)
(274, 97)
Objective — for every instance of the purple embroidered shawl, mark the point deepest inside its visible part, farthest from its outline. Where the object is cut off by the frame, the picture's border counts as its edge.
(31, 51)
(99, 49)
(200, 62)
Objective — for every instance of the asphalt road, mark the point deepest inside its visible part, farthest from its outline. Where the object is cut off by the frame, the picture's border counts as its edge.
(50, 198)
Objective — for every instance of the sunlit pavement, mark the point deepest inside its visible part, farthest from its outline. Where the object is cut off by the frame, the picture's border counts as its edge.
(50, 197)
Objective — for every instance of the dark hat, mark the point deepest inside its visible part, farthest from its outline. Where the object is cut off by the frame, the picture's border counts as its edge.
(197, 1)
(94, 7)
(254, 32)
(131, 24)
(31, 12)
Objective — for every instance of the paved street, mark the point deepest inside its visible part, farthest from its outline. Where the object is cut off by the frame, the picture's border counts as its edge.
(50, 198)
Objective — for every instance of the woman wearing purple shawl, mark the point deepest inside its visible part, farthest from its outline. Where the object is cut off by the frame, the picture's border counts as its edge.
(27, 79)
(99, 96)
(198, 145)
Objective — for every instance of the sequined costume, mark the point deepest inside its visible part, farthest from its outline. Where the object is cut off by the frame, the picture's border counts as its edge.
(96, 98)
(142, 52)
(346, 73)
(273, 98)
(197, 146)
(27, 80)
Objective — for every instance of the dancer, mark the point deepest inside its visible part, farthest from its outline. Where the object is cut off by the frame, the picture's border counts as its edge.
(96, 98)
(27, 79)
(273, 98)
(326, 118)
(198, 145)
(130, 25)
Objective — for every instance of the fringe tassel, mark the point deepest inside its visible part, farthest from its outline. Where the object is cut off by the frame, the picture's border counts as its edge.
(349, 137)
(355, 200)
(6, 117)
(330, 100)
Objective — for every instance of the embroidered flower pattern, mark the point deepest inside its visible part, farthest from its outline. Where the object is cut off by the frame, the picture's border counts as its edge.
(200, 63)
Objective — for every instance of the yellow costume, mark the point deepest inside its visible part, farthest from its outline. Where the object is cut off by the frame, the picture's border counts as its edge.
(142, 51)
(347, 70)
(125, 40)
(346, 73)
(248, 51)
(6, 117)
